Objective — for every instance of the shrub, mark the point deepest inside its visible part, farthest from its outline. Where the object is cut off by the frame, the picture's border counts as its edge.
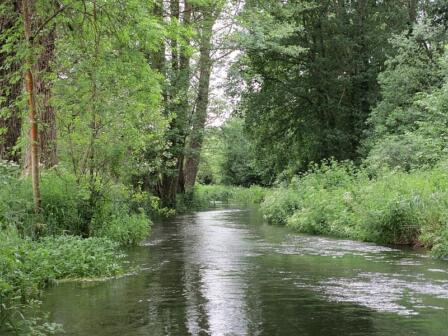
(204, 196)
(280, 204)
(27, 266)
(126, 229)
(440, 244)
(393, 208)
(68, 209)
(64, 205)
(407, 151)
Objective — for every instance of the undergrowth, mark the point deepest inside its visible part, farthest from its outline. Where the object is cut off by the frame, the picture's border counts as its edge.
(206, 196)
(340, 200)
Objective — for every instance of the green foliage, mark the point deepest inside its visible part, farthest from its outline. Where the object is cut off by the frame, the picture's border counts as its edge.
(440, 247)
(309, 76)
(119, 213)
(408, 151)
(109, 120)
(408, 126)
(127, 229)
(205, 196)
(61, 257)
(339, 200)
(228, 157)
(279, 204)
(239, 166)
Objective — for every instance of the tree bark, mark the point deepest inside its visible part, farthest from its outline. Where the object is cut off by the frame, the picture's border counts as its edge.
(196, 136)
(46, 118)
(34, 140)
(176, 102)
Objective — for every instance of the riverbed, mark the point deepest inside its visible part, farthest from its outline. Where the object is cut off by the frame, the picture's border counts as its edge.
(226, 272)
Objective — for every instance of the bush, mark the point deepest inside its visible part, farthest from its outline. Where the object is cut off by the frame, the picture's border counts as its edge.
(280, 204)
(126, 229)
(408, 151)
(394, 208)
(67, 208)
(63, 257)
(205, 196)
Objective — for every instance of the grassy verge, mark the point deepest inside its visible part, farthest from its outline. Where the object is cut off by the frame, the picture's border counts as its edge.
(27, 266)
(206, 196)
(339, 200)
(72, 238)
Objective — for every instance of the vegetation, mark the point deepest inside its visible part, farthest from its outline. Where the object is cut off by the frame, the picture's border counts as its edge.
(205, 196)
(340, 200)
(103, 106)
(63, 257)
(334, 118)
(342, 112)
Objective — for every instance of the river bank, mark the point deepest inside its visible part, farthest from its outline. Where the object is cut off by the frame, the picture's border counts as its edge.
(227, 272)
(341, 200)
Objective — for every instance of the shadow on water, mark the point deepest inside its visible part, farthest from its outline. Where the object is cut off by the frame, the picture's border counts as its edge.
(224, 272)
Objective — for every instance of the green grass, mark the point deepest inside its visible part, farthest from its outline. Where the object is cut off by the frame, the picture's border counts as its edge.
(70, 239)
(339, 200)
(27, 266)
(205, 196)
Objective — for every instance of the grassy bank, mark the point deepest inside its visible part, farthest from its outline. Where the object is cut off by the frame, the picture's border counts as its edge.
(340, 200)
(206, 196)
(75, 236)
(27, 266)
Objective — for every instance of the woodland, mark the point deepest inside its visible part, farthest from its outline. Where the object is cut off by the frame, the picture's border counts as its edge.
(329, 115)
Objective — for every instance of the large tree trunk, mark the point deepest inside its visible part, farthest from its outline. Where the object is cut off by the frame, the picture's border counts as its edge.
(184, 106)
(175, 102)
(196, 136)
(34, 139)
(10, 89)
(165, 187)
(42, 69)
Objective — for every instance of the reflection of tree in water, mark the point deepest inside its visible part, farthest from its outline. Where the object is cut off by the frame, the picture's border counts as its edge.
(286, 309)
(215, 252)
(217, 273)
(196, 315)
(167, 308)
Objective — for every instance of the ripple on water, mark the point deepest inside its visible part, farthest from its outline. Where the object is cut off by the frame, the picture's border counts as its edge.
(326, 247)
(384, 292)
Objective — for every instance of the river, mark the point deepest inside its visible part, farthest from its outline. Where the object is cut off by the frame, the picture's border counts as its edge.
(225, 272)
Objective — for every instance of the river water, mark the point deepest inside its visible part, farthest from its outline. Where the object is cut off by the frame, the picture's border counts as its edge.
(225, 272)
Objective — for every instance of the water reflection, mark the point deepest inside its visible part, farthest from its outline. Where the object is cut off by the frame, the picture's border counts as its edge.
(223, 272)
(220, 258)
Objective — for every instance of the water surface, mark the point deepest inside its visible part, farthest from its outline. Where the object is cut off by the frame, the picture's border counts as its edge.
(225, 272)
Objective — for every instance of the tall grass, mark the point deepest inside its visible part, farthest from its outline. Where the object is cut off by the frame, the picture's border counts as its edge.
(206, 196)
(393, 208)
(70, 238)
(27, 266)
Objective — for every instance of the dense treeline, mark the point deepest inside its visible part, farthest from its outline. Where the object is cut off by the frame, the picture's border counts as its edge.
(102, 112)
(330, 79)
(343, 111)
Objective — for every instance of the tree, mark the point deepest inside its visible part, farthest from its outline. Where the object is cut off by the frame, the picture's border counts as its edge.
(407, 125)
(199, 117)
(47, 116)
(29, 79)
(309, 75)
(177, 72)
(107, 96)
(185, 97)
(10, 80)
